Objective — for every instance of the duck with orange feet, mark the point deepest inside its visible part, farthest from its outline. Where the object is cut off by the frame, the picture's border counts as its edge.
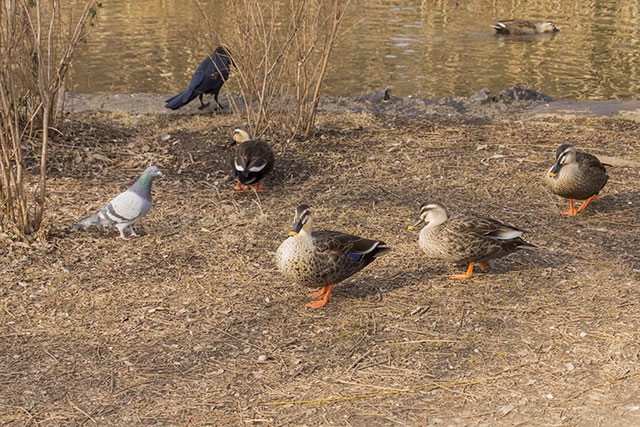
(576, 175)
(323, 258)
(465, 240)
(252, 160)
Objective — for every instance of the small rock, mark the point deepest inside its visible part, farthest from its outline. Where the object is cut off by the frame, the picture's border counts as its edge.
(515, 93)
(569, 366)
(262, 358)
(165, 138)
(483, 96)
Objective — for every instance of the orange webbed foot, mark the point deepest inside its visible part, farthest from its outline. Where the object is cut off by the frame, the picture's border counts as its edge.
(321, 303)
(571, 211)
(318, 294)
(259, 187)
(484, 265)
(586, 202)
(240, 187)
(468, 274)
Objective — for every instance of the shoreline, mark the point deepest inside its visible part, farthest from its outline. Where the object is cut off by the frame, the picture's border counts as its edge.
(511, 103)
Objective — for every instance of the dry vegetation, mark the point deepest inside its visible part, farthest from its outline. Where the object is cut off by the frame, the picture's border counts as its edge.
(281, 51)
(38, 41)
(191, 323)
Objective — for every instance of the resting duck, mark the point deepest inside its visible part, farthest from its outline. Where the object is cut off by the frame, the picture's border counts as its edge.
(323, 258)
(252, 161)
(463, 240)
(576, 175)
(518, 27)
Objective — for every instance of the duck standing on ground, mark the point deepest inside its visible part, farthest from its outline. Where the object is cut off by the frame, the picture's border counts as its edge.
(126, 208)
(208, 78)
(463, 240)
(252, 160)
(323, 258)
(576, 175)
(519, 27)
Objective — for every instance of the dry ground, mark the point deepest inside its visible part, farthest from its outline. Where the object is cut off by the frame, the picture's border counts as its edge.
(192, 324)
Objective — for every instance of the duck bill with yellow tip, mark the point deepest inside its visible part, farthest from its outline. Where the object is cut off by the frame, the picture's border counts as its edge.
(414, 224)
(295, 230)
(553, 172)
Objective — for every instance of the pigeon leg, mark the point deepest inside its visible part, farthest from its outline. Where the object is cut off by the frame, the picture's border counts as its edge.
(132, 231)
(202, 104)
(571, 211)
(121, 229)
(584, 205)
(484, 265)
(321, 303)
(464, 276)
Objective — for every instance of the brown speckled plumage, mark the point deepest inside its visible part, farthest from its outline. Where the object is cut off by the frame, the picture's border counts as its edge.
(578, 175)
(463, 240)
(322, 258)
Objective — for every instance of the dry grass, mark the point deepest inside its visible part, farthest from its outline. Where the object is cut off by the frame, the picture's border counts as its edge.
(192, 324)
(37, 45)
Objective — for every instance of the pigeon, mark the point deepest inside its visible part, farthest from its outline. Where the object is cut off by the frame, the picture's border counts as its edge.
(211, 74)
(126, 208)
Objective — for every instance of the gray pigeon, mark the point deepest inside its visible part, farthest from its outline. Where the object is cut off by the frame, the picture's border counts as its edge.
(127, 207)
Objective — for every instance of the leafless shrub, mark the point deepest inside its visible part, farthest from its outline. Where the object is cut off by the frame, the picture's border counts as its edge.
(281, 51)
(37, 43)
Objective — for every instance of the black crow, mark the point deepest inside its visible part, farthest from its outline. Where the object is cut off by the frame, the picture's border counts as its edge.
(208, 78)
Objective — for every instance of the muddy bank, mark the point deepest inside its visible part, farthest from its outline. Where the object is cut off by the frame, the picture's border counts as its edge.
(511, 103)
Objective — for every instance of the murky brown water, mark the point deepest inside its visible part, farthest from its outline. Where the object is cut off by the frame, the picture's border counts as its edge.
(422, 48)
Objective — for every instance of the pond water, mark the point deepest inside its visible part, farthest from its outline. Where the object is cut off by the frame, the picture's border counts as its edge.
(422, 48)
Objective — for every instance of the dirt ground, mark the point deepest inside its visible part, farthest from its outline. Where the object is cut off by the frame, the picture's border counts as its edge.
(192, 324)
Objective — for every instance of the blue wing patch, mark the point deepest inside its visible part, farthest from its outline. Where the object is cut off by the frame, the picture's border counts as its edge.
(355, 256)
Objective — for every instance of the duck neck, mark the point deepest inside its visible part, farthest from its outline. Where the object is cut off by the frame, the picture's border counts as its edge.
(436, 218)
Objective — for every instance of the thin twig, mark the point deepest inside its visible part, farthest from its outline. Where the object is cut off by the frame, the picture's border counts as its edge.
(80, 410)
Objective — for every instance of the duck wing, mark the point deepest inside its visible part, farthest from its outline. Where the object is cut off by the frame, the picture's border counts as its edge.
(359, 249)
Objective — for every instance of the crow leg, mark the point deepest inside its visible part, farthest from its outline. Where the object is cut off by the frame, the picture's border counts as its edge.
(202, 104)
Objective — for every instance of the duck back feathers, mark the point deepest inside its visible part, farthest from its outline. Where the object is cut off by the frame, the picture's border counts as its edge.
(253, 160)
(322, 258)
(522, 27)
(576, 174)
(461, 240)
